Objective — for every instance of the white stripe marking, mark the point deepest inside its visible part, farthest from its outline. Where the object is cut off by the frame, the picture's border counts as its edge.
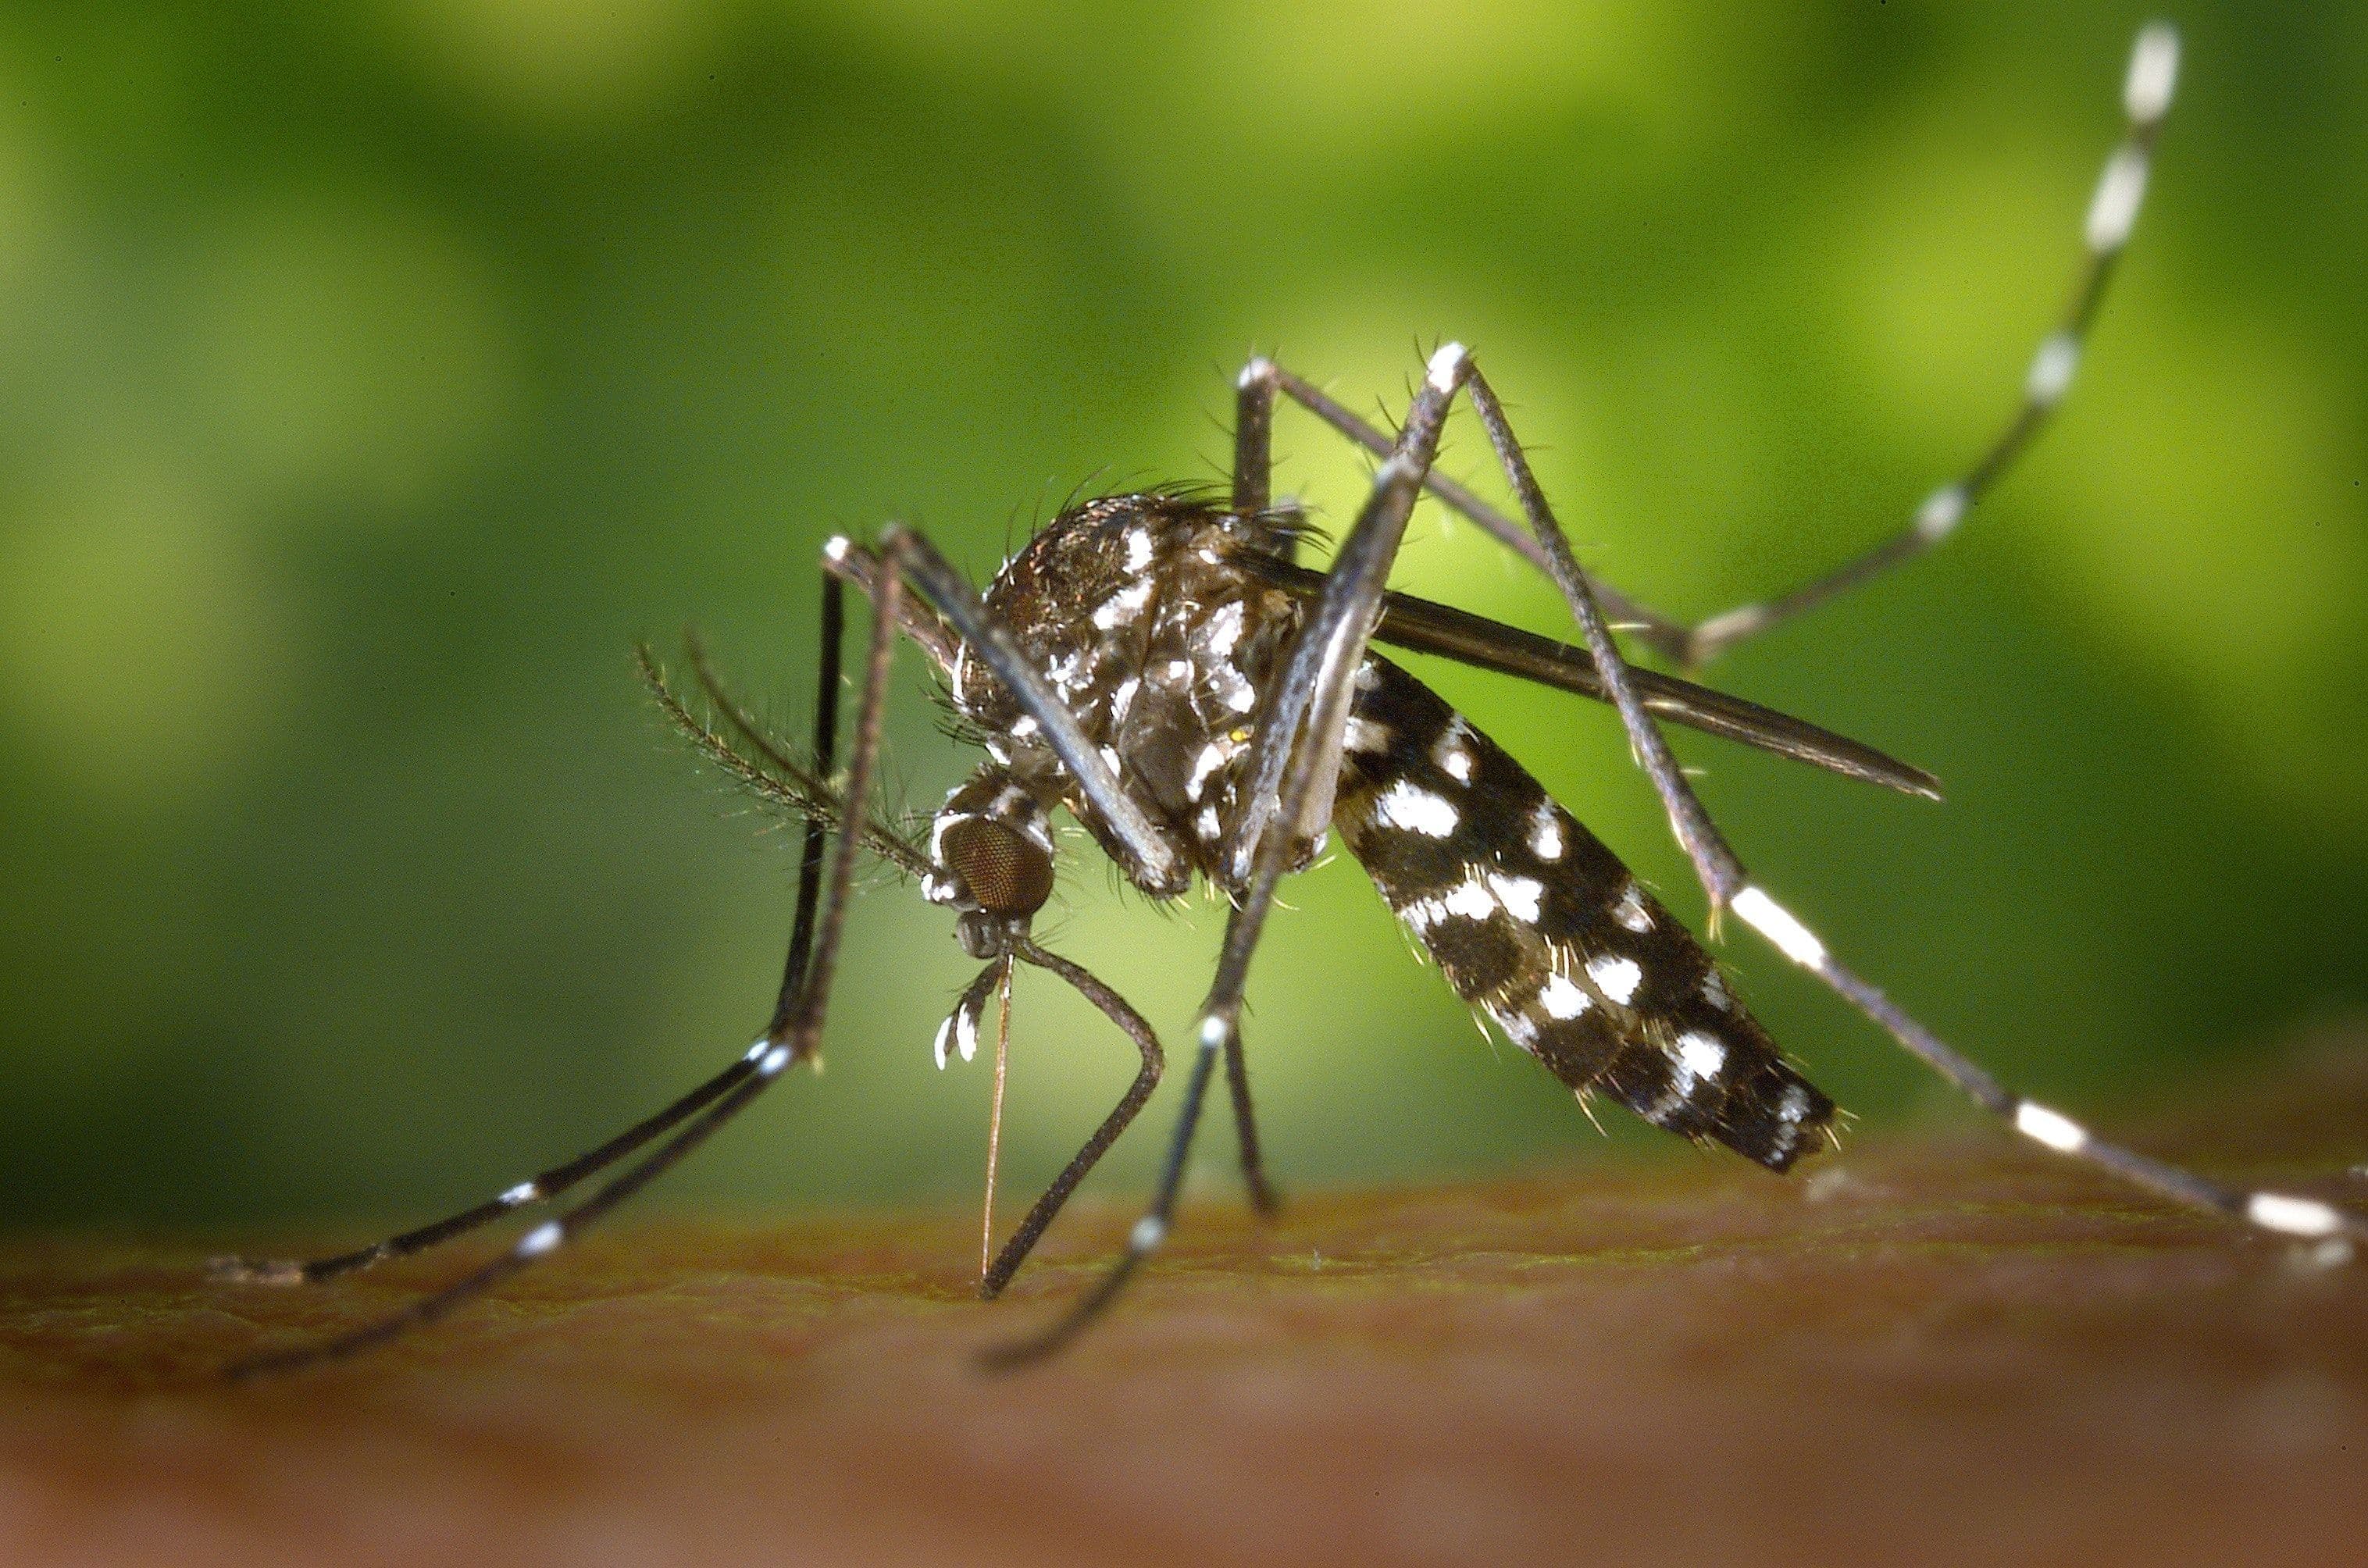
(1560, 999)
(2293, 1216)
(1211, 757)
(1699, 1057)
(1124, 604)
(1519, 895)
(1545, 832)
(1523, 1031)
(1454, 757)
(1445, 365)
(1224, 630)
(1403, 805)
(2052, 369)
(1469, 900)
(2058, 1132)
(1942, 512)
(1776, 922)
(2154, 72)
(2114, 207)
(1616, 978)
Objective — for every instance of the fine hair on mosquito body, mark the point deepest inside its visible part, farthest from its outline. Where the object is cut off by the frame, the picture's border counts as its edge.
(1160, 665)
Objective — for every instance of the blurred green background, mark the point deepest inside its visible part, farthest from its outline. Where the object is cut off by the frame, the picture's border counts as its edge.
(373, 375)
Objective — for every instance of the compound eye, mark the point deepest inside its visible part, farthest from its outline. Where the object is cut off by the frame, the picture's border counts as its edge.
(1004, 872)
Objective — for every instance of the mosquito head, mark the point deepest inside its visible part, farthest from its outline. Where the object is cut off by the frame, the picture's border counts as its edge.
(991, 859)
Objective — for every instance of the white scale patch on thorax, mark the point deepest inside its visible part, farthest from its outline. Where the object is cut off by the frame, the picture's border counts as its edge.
(1123, 606)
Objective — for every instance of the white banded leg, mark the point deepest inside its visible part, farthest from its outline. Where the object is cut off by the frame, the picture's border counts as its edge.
(2286, 1214)
(794, 1037)
(1726, 883)
(559, 1180)
(2112, 213)
(542, 1189)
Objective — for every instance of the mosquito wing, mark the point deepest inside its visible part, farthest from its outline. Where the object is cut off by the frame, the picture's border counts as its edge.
(1429, 628)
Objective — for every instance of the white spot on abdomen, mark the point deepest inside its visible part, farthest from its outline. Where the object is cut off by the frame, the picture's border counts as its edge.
(1416, 810)
(1560, 999)
(1451, 753)
(1471, 901)
(1545, 832)
(1519, 895)
(1699, 1057)
(1617, 977)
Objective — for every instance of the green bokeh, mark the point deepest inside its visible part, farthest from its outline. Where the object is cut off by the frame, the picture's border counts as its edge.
(371, 377)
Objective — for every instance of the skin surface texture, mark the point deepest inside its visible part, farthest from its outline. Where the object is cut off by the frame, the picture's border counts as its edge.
(1942, 1346)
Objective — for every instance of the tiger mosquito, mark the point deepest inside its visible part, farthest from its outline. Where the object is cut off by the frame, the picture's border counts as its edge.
(1159, 665)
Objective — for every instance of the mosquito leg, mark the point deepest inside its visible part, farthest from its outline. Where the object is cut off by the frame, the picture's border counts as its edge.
(549, 1184)
(1729, 886)
(1253, 476)
(1115, 1008)
(1263, 1196)
(1297, 771)
(809, 854)
(2112, 212)
(2285, 1213)
(800, 1030)
(1662, 632)
(1148, 1232)
(543, 1188)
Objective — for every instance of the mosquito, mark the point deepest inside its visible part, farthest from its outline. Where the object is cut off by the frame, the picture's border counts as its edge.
(1158, 666)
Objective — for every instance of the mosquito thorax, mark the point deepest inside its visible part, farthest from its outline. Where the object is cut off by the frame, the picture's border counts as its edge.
(1136, 611)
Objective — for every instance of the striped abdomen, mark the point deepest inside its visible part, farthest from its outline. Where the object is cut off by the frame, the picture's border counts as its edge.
(1532, 918)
